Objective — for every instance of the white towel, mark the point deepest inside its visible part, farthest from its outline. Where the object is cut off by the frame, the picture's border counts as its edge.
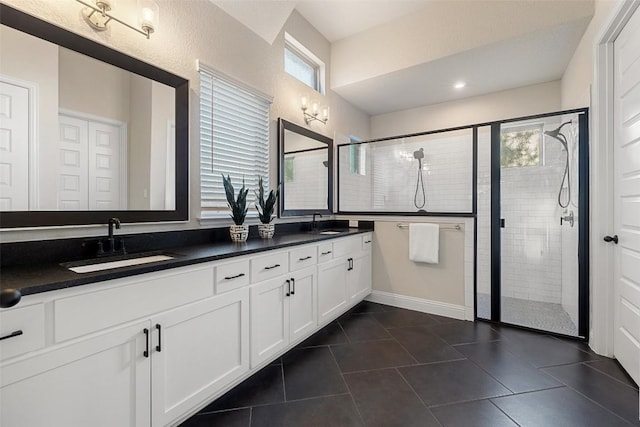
(424, 242)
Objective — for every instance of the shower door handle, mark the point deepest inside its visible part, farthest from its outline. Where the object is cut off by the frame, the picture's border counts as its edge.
(502, 224)
(613, 239)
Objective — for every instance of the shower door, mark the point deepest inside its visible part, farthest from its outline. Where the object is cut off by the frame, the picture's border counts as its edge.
(538, 235)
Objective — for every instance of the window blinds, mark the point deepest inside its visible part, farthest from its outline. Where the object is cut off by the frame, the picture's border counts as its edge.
(234, 138)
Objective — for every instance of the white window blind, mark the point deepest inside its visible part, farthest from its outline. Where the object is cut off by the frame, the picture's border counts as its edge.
(234, 138)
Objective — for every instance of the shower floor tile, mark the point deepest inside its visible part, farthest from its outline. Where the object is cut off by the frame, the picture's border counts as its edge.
(544, 316)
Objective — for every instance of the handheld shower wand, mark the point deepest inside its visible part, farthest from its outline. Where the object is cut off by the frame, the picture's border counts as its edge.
(419, 155)
(556, 134)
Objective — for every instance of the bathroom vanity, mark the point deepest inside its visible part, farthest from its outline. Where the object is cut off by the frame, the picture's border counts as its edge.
(151, 349)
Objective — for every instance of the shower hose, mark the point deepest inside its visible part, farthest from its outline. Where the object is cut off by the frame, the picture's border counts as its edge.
(419, 185)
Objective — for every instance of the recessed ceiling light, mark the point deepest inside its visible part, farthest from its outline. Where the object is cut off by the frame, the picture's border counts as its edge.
(459, 85)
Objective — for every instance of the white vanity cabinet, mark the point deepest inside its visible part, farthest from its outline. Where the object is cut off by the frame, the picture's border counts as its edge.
(149, 350)
(283, 309)
(100, 380)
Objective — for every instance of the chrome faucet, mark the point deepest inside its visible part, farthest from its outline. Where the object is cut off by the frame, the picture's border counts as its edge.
(314, 223)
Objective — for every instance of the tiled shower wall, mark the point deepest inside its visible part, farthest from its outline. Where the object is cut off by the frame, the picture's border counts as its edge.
(532, 250)
(391, 172)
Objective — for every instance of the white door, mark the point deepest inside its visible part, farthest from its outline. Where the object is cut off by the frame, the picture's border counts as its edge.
(196, 351)
(14, 147)
(104, 166)
(73, 165)
(332, 289)
(269, 318)
(627, 196)
(359, 277)
(303, 305)
(100, 381)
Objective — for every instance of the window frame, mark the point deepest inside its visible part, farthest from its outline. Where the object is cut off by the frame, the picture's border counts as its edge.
(305, 55)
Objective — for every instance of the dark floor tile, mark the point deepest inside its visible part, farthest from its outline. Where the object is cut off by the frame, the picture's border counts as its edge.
(512, 372)
(401, 317)
(234, 418)
(334, 411)
(384, 399)
(613, 369)
(542, 350)
(480, 413)
(311, 372)
(369, 307)
(608, 392)
(443, 319)
(449, 382)
(556, 407)
(364, 356)
(330, 334)
(362, 327)
(424, 346)
(464, 332)
(265, 386)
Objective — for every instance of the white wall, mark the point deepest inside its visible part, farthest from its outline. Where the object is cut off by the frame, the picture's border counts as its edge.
(524, 101)
(198, 30)
(578, 77)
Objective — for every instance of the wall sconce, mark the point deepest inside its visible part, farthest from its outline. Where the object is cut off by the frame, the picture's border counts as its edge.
(309, 117)
(98, 18)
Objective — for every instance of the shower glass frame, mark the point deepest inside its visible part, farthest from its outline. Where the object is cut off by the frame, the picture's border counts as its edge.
(583, 223)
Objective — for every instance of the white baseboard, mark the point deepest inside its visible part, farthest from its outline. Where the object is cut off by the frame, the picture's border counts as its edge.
(418, 304)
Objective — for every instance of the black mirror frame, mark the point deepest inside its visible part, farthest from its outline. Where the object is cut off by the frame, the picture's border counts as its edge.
(286, 125)
(36, 27)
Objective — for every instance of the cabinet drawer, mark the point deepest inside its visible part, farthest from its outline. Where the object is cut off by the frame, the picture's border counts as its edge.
(24, 330)
(367, 241)
(232, 275)
(268, 266)
(300, 258)
(325, 252)
(81, 314)
(347, 246)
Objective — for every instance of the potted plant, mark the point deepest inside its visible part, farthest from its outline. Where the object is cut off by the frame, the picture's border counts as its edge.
(239, 231)
(265, 208)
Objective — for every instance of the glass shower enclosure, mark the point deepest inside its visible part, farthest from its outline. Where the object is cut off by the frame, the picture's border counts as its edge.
(536, 208)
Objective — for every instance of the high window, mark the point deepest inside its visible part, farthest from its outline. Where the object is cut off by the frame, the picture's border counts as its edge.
(234, 138)
(302, 64)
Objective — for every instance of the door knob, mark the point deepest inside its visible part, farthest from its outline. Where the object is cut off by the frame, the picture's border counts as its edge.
(613, 239)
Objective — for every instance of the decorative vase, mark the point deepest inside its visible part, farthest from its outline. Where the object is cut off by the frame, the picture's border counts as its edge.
(266, 231)
(239, 233)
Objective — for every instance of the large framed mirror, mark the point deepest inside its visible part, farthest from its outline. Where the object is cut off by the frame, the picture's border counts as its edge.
(305, 170)
(86, 132)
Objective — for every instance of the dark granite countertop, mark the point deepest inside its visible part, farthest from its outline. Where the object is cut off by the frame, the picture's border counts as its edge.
(37, 278)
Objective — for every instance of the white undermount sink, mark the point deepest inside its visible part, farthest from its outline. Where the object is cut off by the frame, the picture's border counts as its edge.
(100, 266)
(330, 232)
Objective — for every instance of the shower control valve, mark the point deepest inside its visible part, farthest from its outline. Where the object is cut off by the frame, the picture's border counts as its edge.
(568, 218)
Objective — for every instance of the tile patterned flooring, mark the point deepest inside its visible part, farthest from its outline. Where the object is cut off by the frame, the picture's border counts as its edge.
(383, 366)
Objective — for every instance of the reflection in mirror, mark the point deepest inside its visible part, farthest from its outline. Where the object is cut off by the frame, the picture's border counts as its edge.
(87, 133)
(306, 170)
(101, 135)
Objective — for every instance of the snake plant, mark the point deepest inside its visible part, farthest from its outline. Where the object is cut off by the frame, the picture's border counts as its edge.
(238, 206)
(266, 206)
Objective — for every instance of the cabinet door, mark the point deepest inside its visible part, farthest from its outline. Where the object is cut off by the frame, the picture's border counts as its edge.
(269, 318)
(103, 380)
(359, 278)
(197, 350)
(303, 303)
(332, 291)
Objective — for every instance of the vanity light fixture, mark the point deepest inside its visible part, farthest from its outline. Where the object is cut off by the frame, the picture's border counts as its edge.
(98, 17)
(315, 112)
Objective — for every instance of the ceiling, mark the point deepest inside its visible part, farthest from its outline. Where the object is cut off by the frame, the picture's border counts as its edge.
(498, 45)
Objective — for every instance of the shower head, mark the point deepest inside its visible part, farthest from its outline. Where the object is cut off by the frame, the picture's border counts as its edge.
(418, 154)
(555, 133)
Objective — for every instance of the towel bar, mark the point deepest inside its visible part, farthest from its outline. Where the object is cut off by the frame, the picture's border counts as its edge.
(444, 227)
